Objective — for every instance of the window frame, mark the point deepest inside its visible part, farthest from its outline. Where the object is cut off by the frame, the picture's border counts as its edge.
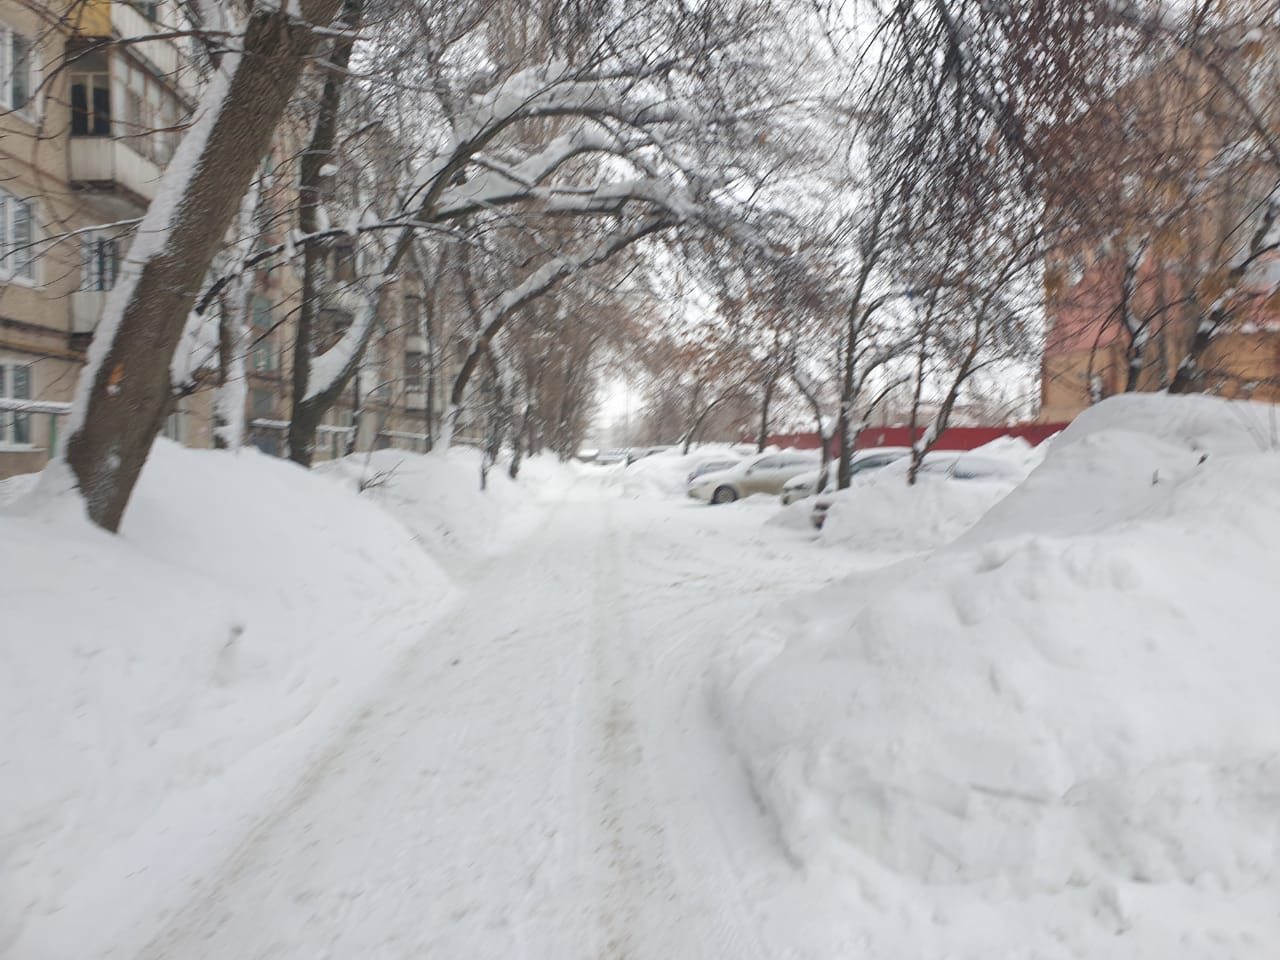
(149, 113)
(263, 357)
(7, 60)
(415, 382)
(88, 77)
(28, 275)
(99, 275)
(10, 420)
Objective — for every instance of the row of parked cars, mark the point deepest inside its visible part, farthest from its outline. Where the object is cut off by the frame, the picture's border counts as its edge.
(797, 475)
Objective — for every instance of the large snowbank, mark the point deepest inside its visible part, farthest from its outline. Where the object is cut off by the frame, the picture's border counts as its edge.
(880, 512)
(437, 496)
(156, 688)
(1060, 735)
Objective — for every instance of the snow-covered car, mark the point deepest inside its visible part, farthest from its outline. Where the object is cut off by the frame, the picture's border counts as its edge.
(763, 473)
(607, 458)
(806, 485)
(714, 465)
(639, 453)
(945, 464)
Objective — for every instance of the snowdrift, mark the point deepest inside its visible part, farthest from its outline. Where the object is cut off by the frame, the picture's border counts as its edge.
(158, 686)
(1059, 736)
(879, 512)
(666, 474)
(437, 496)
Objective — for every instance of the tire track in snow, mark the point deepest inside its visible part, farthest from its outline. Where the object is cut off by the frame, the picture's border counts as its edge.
(199, 920)
(646, 908)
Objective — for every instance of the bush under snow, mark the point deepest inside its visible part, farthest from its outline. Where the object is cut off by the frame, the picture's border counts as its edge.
(1060, 735)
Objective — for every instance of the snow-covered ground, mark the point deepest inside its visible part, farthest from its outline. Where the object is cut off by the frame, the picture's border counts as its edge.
(161, 689)
(582, 716)
(1058, 736)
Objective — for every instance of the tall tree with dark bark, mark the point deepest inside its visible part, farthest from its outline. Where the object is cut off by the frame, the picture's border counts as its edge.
(125, 389)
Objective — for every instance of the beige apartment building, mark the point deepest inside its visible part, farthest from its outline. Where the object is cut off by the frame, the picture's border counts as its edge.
(86, 129)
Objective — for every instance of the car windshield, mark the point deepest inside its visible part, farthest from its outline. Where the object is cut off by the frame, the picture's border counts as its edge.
(714, 466)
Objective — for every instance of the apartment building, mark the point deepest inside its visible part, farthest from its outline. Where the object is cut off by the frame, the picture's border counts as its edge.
(1176, 203)
(86, 129)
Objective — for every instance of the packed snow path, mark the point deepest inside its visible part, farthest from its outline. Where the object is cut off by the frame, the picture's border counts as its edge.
(541, 778)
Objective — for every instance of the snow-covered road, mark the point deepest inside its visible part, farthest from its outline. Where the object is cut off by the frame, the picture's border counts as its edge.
(542, 777)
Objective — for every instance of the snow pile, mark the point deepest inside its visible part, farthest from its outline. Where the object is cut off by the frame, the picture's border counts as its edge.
(438, 496)
(881, 512)
(1059, 736)
(156, 688)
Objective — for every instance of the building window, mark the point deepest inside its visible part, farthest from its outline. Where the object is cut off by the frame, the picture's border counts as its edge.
(262, 355)
(262, 405)
(15, 384)
(17, 234)
(91, 104)
(17, 71)
(99, 262)
(374, 370)
(175, 425)
(415, 372)
(151, 114)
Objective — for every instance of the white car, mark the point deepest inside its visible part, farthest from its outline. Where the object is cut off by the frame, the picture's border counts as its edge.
(715, 465)
(806, 485)
(763, 473)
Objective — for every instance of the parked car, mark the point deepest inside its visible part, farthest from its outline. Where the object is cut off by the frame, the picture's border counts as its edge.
(873, 458)
(945, 464)
(763, 473)
(714, 465)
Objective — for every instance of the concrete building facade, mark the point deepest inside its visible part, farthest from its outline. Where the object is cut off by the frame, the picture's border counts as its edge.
(92, 105)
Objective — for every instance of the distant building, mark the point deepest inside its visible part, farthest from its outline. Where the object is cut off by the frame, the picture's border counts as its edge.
(1163, 200)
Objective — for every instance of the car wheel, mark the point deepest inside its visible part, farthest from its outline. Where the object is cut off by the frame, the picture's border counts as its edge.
(724, 495)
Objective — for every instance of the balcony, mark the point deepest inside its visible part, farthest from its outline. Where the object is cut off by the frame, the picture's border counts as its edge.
(166, 57)
(86, 308)
(104, 164)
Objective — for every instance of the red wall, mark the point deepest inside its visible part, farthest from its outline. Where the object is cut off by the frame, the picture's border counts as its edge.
(953, 438)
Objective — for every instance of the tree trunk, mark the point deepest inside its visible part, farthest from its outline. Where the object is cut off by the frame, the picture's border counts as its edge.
(518, 448)
(917, 453)
(233, 334)
(429, 375)
(1189, 377)
(824, 471)
(126, 390)
(229, 397)
(307, 413)
(763, 439)
(357, 415)
(692, 433)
